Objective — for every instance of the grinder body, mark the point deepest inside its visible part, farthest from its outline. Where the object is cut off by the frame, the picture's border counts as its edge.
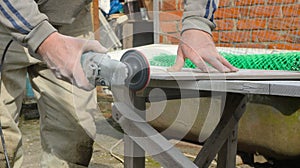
(132, 70)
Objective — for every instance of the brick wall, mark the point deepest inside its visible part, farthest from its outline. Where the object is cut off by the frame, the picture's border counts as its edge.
(270, 24)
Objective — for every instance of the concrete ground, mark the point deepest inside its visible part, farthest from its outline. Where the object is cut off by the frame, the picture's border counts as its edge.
(107, 153)
(104, 156)
(108, 148)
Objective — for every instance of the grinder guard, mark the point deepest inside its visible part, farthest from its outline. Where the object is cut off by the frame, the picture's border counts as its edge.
(139, 69)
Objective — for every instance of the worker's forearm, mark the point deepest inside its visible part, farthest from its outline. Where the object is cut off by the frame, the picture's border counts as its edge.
(25, 23)
(198, 14)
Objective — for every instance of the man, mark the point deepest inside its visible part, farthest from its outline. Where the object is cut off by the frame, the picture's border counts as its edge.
(66, 120)
(62, 56)
(196, 41)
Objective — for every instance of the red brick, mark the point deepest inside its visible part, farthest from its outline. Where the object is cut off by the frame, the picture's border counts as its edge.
(266, 36)
(180, 5)
(173, 38)
(168, 5)
(284, 46)
(222, 13)
(238, 36)
(292, 36)
(295, 32)
(224, 45)
(248, 2)
(164, 39)
(281, 1)
(251, 24)
(284, 23)
(169, 27)
(244, 12)
(170, 16)
(215, 36)
(179, 26)
(225, 24)
(224, 3)
(272, 23)
(161, 38)
(250, 45)
(291, 10)
(262, 11)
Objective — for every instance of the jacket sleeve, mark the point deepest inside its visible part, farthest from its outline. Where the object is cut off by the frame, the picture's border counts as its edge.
(199, 14)
(25, 23)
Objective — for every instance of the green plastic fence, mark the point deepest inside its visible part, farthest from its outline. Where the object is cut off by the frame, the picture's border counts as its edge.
(280, 61)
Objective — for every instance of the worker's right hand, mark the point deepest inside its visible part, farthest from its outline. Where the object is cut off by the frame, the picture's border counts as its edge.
(199, 47)
(62, 55)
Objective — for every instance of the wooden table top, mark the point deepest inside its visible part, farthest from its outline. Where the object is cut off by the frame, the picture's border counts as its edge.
(161, 73)
(280, 83)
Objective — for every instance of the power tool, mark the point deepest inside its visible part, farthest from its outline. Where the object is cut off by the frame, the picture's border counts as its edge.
(132, 71)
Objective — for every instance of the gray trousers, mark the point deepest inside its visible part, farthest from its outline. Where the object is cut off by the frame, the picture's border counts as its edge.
(66, 113)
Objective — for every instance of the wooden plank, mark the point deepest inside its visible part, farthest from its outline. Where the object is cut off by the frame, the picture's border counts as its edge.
(285, 88)
(245, 74)
(214, 85)
(96, 21)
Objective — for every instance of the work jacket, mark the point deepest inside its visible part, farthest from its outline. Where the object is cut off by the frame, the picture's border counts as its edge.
(199, 14)
(31, 22)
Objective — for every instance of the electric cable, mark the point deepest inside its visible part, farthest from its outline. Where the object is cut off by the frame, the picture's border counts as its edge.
(112, 153)
(1, 131)
(4, 53)
(4, 147)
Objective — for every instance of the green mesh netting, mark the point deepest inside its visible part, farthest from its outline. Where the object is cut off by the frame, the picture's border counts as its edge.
(280, 61)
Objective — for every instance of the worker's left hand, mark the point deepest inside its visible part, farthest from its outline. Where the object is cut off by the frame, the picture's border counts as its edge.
(199, 47)
(63, 56)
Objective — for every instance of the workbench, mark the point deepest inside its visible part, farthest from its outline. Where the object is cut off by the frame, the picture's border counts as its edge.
(141, 138)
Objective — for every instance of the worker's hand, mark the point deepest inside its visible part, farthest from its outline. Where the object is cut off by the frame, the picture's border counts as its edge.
(62, 55)
(199, 47)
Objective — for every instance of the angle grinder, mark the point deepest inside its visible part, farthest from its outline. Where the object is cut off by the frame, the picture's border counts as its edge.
(132, 71)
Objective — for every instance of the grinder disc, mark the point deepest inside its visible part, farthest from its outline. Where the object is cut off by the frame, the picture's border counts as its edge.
(139, 69)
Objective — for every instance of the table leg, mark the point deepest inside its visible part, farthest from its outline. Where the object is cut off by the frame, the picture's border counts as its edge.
(233, 110)
(141, 136)
(134, 155)
(227, 154)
